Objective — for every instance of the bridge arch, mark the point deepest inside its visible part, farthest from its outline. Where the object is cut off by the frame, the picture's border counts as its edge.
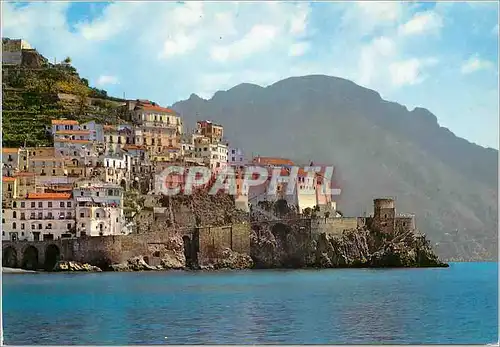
(52, 256)
(9, 257)
(30, 258)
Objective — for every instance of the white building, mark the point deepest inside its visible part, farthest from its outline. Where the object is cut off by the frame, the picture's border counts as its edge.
(39, 217)
(99, 209)
(236, 157)
(213, 155)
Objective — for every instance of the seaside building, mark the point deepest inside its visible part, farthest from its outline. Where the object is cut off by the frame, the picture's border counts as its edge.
(99, 209)
(39, 217)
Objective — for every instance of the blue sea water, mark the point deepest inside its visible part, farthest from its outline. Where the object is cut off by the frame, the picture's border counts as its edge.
(455, 305)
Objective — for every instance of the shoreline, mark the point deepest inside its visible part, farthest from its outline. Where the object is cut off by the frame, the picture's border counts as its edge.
(7, 270)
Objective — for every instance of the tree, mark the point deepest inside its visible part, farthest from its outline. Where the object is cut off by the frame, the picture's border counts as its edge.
(307, 212)
(67, 60)
(327, 214)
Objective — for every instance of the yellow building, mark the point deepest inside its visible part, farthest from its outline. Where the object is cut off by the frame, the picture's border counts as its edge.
(157, 128)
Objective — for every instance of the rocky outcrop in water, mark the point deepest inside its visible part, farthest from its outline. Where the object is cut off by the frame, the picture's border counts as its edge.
(353, 248)
(64, 265)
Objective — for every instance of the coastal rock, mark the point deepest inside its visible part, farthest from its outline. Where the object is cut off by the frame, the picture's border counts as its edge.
(352, 248)
(229, 259)
(65, 265)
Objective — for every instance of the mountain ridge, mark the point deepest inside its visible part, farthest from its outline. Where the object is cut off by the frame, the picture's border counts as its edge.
(448, 181)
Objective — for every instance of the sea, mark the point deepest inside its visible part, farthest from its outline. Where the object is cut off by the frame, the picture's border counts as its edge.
(455, 305)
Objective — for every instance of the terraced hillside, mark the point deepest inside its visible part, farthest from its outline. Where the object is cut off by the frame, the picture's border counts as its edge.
(31, 97)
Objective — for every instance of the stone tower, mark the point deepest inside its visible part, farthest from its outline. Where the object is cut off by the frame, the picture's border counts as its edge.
(384, 215)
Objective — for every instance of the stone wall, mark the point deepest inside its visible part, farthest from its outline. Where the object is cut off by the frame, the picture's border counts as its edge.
(14, 58)
(103, 251)
(212, 241)
(334, 226)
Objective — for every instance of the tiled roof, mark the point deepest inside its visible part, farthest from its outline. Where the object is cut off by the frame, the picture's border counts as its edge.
(72, 141)
(64, 122)
(76, 132)
(272, 161)
(9, 150)
(49, 196)
(155, 108)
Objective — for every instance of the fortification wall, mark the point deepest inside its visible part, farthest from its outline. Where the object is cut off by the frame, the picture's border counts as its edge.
(14, 58)
(334, 226)
(214, 240)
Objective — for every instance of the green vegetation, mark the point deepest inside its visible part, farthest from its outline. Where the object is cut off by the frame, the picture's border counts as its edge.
(34, 96)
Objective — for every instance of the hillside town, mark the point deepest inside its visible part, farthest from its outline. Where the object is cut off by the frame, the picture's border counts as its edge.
(76, 187)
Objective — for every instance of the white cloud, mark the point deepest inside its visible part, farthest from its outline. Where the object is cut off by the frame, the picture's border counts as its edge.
(298, 21)
(474, 64)
(422, 22)
(298, 49)
(179, 45)
(409, 72)
(372, 56)
(106, 80)
(257, 39)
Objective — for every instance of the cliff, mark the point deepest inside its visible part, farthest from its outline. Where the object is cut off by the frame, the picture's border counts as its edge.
(353, 248)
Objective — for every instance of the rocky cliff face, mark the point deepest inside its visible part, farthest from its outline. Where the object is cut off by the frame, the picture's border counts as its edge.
(354, 248)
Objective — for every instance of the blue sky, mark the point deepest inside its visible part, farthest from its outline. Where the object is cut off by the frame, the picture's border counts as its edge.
(441, 56)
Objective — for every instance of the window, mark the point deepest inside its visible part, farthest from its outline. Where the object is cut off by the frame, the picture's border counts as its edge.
(33, 204)
(22, 233)
(23, 216)
(69, 204)
(40, 204)
(69, 226)
(22, 204)
(61, 204)
(97, 193)
(39, 226)
(49, 215)
(49, 204)
(33, 226)
(53, 172)
(81, 193)
(83, 225)
(22, 226)
(14, 214)
(40, 216)
(82, 214)
(14, 204)
(49, 226)
(233, 159)
(97, 214)
(13, 225)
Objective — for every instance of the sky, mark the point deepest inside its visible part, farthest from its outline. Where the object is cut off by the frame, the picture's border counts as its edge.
(441, 56)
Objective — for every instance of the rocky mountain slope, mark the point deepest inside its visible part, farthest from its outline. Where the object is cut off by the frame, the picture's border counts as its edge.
(379, 148)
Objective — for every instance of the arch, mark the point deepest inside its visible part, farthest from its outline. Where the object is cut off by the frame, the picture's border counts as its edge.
(30, 258)
(9, 257)
(123, 183)
(52, 256)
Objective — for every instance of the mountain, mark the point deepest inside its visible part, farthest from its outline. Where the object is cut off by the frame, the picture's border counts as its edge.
(379, 148)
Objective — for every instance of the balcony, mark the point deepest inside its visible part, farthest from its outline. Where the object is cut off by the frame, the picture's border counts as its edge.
(49, 217)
